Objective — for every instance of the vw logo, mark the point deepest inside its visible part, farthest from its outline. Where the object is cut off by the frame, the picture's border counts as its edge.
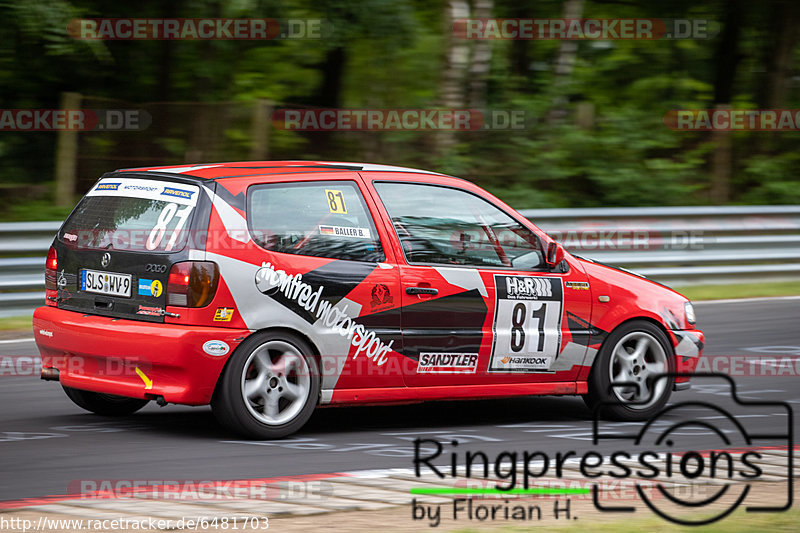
(106, 259)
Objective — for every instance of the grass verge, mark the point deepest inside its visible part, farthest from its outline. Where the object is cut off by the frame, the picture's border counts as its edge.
(740, 290)
(14, 323)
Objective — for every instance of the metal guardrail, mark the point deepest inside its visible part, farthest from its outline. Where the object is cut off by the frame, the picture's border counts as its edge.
(23, 248)
(684, 245)
(672, 245)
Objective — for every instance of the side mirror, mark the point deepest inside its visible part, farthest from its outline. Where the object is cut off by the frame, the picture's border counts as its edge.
(555, 254)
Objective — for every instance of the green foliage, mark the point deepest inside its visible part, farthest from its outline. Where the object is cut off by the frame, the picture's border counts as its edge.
(393, 55)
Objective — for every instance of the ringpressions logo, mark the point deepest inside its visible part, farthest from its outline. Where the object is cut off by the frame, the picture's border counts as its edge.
(693, 443)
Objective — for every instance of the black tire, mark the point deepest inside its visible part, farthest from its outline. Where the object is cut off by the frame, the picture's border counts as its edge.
(657, 391)
(270, 412)
(104, 404)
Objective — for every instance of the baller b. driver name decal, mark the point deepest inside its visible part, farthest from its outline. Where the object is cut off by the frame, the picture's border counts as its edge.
(527, 323)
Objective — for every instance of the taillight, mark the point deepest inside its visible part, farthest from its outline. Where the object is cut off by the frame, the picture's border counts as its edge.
(50, 281)
(192, 283)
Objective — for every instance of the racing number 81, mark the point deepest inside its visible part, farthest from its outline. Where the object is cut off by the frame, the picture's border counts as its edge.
(518, 316)
(336, 201)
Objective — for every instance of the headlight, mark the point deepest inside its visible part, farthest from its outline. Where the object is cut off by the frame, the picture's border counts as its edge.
(689, 309)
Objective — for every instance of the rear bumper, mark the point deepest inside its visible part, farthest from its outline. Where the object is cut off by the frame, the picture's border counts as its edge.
(132, 358)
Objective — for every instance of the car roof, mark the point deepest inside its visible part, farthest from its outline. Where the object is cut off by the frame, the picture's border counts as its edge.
(215, 171)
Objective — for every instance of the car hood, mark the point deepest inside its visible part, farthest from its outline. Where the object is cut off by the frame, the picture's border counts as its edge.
(624, 285)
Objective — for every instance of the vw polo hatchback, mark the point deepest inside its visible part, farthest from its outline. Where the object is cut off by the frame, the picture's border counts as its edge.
(266, 289)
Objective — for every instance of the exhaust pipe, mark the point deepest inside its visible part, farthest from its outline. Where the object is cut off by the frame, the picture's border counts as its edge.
(158, 398)
(49, 374)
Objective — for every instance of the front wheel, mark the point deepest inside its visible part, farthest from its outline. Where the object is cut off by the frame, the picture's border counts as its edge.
(270, 387)
(104, 404)
(636, 352)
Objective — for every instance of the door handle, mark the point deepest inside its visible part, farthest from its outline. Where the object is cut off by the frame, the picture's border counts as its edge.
(422, 290)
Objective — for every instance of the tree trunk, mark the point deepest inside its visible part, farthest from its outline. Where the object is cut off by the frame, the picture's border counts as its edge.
(481, 59)
(727, 59)
(67, 155)
(564, 64)
(329, 95)
(778, 58)
(456, 61)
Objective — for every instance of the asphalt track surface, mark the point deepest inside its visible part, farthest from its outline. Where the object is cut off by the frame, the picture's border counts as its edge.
(47, 444)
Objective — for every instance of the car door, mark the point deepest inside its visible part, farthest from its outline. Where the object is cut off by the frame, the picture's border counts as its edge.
(479, 305)
(316, 264)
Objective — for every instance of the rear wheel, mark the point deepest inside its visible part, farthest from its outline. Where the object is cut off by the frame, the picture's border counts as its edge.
(104, 404)
(270, 387)
(636, 352)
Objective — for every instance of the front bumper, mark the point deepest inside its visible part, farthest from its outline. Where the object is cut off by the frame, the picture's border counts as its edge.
(132, 358)
(689, 346)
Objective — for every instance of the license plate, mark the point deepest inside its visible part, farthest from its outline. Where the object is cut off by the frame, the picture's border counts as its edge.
(106, 283)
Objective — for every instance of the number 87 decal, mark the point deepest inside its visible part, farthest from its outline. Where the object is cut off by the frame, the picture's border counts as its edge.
(527, 323)
(167, 214)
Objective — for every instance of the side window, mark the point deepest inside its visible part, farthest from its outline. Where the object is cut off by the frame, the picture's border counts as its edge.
(321, 219)
(449, 226)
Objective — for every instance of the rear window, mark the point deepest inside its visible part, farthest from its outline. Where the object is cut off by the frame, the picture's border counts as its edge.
(321, 219)
(132, 214)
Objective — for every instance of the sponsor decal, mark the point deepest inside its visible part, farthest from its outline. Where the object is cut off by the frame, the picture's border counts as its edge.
(71, 237)
(223, 314)
(269, 281)
(150, 311)
(447, 363)
(150, 287)
(527, 323)
(45, 332)
(180, 193)
(381, 296)
(577, 285)
(527, 287)
(533, 363)
(143, 188)
(216, 348)
(343, 231)
(163, 191)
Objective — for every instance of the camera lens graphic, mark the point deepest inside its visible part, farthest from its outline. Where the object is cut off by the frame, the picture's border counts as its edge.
(696, 487)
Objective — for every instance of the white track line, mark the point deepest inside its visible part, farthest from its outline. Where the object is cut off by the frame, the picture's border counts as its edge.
(16, 341)
(737, 300)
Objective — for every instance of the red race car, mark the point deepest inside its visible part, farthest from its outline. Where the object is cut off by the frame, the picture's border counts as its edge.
(268, 288)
